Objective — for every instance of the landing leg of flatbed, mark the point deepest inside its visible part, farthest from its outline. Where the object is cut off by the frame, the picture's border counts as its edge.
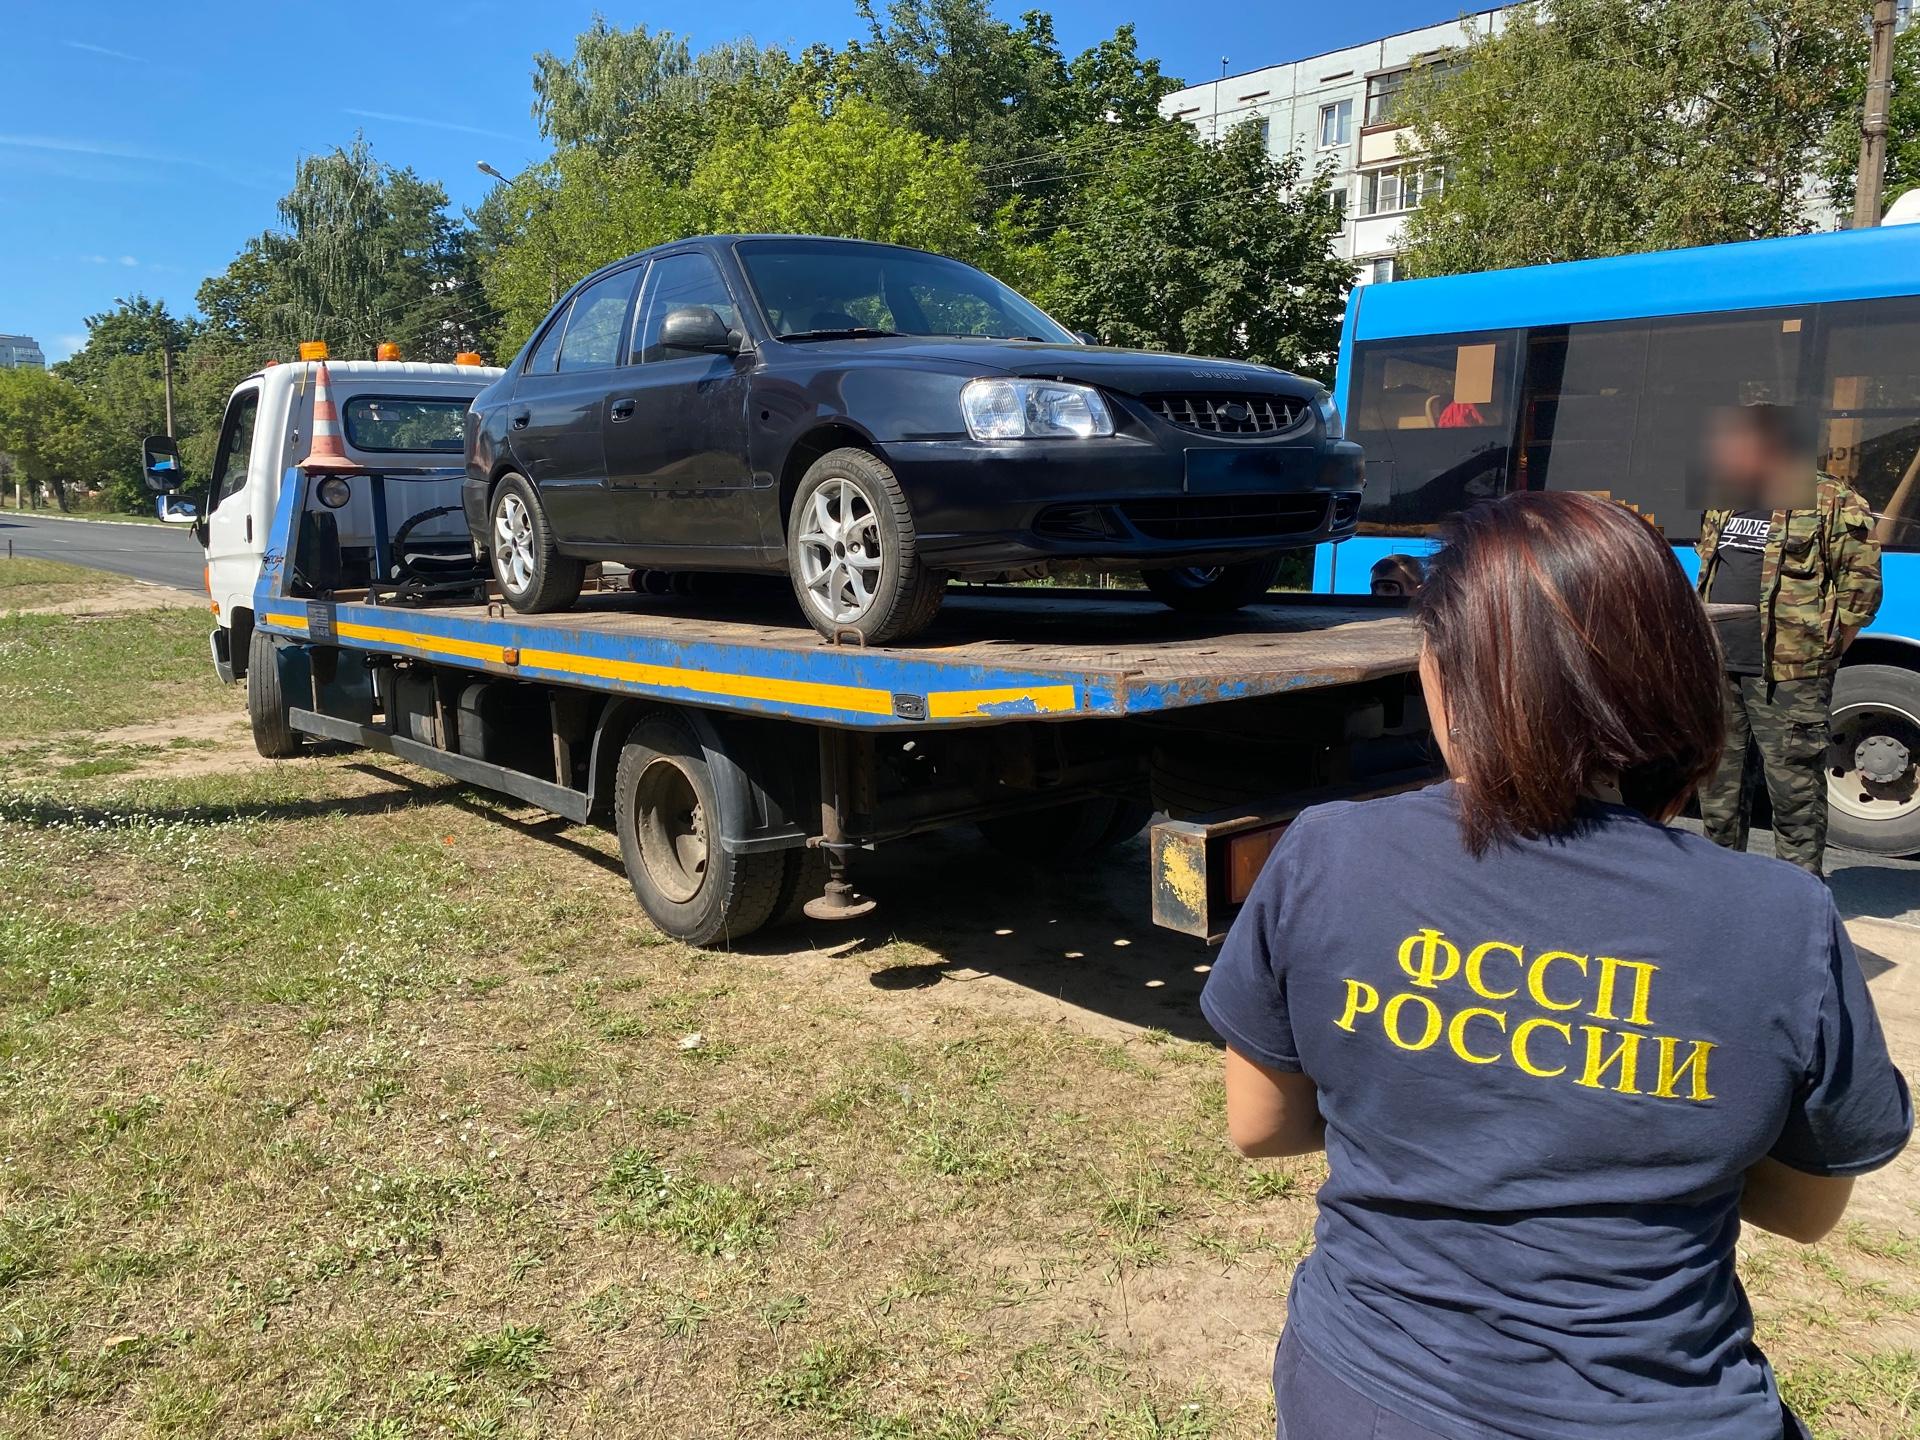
(837, 789)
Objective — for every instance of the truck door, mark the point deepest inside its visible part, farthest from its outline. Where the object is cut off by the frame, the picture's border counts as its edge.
(553, 420)
(676, 422)
(233, 549)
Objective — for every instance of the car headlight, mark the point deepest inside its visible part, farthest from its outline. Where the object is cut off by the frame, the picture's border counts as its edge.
(1033, 410)
(1330, 420)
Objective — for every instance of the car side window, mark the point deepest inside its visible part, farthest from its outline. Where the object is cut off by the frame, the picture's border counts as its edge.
(598, 320)
(676, 282)
(231, 463)
(548, 350)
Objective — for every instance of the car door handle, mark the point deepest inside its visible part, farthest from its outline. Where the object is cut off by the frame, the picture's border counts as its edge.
(520, 419)
(622, 410)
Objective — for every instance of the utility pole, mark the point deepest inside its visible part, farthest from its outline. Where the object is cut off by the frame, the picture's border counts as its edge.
(1871, 179)
(166, 378)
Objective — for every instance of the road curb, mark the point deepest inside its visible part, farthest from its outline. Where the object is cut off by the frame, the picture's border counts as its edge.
(83, 520)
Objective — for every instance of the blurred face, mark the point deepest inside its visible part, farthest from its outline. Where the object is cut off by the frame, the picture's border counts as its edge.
(1739, 458)
(1389, 585)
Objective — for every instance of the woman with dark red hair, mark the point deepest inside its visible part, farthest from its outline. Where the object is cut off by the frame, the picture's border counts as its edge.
(1556, 1050)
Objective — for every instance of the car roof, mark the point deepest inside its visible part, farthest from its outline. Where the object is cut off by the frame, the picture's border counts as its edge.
(721, 242)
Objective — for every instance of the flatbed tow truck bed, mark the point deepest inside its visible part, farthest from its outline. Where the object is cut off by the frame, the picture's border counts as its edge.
(745, 762)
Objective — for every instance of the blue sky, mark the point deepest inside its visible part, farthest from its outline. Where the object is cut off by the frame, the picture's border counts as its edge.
(143, 143)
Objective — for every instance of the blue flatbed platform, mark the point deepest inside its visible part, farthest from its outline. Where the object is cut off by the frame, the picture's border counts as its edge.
(994, 654)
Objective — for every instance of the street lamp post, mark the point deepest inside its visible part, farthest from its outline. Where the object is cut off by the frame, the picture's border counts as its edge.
(544, 208)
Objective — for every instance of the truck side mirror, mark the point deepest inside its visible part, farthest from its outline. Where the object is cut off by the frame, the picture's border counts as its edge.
(160, 463)
(698, 328)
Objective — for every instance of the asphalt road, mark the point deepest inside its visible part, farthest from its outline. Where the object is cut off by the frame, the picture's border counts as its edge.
(160, 554)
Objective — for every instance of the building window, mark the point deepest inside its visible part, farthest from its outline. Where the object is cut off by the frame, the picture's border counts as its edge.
(1336, 123)
(1383, 94)
(1383, 268)
(1402, 187)
(1264, 128)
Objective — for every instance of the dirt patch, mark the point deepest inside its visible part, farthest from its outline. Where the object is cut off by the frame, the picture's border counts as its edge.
(208, 744)
(118, 597)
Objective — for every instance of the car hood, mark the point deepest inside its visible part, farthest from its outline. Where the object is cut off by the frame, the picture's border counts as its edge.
(1134, 372)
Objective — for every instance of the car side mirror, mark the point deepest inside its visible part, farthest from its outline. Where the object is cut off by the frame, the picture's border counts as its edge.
(160, 464)
(1086, 337)
(697, 328)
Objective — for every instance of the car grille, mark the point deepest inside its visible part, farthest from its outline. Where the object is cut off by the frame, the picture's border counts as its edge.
(1232, 414)
(1226, 517)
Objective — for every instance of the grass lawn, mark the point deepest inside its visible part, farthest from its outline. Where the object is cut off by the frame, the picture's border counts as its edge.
(338, 1100)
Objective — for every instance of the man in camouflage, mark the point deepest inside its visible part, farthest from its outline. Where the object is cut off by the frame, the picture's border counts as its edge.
(1804, 559)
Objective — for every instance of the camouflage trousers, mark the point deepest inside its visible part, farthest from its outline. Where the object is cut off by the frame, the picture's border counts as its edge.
(1782, 725)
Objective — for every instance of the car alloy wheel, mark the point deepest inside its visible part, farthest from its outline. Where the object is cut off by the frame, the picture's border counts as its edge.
(513, 543)
(840, 555)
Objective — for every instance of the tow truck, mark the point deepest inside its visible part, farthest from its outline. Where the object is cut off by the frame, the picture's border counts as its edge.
(745, 762)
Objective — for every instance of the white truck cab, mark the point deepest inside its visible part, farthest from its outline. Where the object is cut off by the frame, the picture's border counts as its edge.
(394, 416)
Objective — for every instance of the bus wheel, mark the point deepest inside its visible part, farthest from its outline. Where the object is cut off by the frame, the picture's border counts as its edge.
(667, 814)
(1213, 589)
(1873, 767)
(268, 709)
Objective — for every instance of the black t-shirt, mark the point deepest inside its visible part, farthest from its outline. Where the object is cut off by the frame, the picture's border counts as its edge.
(1736, 581)
(1545, 1074)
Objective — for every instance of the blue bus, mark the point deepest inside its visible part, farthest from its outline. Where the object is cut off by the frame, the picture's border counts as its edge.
(1599, 375)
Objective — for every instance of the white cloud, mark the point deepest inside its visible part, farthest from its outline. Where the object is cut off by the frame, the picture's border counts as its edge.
(103, 50)
(128, 260)
(106, 150)
(433, 124)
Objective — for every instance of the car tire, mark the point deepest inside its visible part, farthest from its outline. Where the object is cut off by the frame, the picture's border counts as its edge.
(532, 574)
(1213, 590)
(269, 711)
(1067, 833)
(667, 815)
(852, 553)
(1878, 704)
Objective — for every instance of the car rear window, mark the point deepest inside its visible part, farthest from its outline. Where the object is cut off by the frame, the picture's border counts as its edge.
(407, 424)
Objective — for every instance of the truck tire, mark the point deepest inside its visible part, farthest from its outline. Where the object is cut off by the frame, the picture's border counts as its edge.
(666, 812)
(533, 575)
(803, 876)
(1215, 589)
(852, 553)
(1067, 833)
(267, 704)
(1873, 769)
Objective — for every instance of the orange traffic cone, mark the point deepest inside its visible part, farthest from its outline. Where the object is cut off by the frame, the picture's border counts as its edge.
(329, 455)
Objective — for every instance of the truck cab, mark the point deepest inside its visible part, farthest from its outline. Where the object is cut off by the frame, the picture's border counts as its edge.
(397, 417)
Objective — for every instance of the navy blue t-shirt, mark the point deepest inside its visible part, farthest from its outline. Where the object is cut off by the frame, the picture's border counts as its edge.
(1544, 1073)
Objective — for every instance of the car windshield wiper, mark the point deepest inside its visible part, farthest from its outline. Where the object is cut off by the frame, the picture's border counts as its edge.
(845, 332)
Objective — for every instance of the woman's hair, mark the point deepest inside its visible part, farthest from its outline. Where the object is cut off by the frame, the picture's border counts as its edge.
(1572, 652)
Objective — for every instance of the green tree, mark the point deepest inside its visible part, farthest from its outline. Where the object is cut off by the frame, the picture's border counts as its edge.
(1176, 244)
(135, 326)
(51, 431)
(1842, 158)
(1598, 127)
(646, 95)
(858, 173)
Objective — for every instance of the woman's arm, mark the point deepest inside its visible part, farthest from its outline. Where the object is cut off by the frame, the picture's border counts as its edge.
(1786, 1201)
(1271, 1112)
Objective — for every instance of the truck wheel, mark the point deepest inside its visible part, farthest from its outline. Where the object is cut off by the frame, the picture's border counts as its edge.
(803, 876)
(534, 576)
(1873, 767)
(851, 552)
(1213, 589)
(267, 704)
(667, 815)
(1063, 834)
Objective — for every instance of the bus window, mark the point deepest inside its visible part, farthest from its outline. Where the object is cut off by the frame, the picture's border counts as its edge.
(1695, 367)
(1869, 408)
(1580, 407)
(1436, 421)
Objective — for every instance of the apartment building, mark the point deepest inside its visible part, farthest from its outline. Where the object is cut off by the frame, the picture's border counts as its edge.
(21, 352)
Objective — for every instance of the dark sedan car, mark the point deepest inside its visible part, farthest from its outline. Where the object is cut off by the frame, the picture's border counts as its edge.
(872, 420)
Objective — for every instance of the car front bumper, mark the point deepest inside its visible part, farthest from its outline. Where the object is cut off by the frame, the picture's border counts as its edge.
(1120, 500)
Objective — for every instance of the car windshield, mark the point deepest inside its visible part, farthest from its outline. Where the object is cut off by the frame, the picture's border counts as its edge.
(811, 289)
